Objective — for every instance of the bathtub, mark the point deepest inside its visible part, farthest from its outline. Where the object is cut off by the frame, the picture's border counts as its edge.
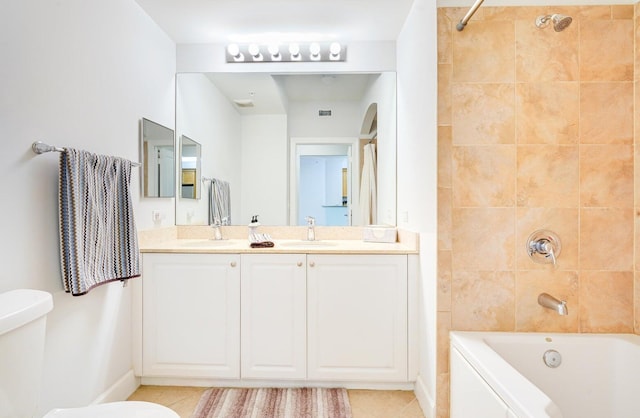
(497, 374)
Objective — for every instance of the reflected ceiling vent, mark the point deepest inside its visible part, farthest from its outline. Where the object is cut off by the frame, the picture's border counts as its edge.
(243, 102)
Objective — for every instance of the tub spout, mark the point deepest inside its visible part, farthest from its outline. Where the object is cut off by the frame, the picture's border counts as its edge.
(548, 301)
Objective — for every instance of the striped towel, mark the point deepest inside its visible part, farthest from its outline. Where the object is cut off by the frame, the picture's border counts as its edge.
(98, 238)
(219, 202)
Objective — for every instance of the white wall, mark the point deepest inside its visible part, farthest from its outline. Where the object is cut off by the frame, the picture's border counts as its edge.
(417, 171)
(206, 116)
(345, 119)
(264, 169)
(75, 73)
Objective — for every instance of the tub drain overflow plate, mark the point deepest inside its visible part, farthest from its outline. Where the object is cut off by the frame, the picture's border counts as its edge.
(552, 358)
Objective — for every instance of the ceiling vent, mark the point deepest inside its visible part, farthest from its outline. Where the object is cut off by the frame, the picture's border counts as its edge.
(243, 102)
(324, 113)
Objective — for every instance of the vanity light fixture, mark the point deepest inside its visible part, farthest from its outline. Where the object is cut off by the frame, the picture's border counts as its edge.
(292, 52)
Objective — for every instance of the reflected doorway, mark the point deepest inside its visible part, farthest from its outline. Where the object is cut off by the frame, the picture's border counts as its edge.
(322, 189)
(322, 178)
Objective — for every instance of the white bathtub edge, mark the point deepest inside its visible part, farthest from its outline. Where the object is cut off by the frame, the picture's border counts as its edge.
(503, 378)
(426, 402)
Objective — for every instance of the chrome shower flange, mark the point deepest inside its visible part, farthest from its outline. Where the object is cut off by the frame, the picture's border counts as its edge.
(544, 247)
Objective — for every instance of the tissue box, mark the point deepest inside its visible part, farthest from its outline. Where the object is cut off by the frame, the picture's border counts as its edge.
(379, 233)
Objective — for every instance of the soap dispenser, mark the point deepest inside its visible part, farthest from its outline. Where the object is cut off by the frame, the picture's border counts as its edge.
(253, 226)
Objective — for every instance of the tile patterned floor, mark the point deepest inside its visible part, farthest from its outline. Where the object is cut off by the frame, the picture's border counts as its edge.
(364, 403)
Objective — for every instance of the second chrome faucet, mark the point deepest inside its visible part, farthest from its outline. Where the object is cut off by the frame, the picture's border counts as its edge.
(311, 231)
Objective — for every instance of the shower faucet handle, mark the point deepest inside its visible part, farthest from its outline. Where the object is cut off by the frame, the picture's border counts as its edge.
(544, 247)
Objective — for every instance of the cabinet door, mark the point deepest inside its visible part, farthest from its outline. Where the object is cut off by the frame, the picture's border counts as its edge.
(273, 316)
(357, 317)
(191, 315)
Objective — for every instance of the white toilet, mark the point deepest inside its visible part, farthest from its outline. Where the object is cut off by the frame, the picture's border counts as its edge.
(23, 314)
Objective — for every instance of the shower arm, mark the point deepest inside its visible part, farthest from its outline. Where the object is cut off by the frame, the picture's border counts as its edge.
(463, 22)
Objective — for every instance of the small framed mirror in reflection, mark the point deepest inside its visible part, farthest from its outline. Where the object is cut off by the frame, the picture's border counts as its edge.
(189, 168)
(158, 160)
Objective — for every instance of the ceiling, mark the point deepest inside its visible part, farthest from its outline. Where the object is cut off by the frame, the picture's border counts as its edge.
(269, 94)
(222, 21)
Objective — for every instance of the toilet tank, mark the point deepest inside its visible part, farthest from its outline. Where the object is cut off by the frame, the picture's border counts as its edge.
(22, 333)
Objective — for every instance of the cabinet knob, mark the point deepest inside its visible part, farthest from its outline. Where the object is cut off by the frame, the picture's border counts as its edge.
(299, 263)
(312, 264)
(233, 264)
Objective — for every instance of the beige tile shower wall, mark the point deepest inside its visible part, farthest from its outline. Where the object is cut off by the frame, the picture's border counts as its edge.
(536, 130)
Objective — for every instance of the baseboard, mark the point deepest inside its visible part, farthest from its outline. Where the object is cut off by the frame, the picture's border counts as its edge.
(426, 402)
(280, 383)
(120, 390)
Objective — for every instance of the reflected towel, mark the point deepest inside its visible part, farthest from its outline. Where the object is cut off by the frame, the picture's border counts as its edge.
(98, 237)
(219, 202)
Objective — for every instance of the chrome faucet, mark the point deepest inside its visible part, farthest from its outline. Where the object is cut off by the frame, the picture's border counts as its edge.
(548, 301)
(217, 234)
(311, 232)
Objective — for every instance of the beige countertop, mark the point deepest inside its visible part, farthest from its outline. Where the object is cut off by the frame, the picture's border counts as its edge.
(199, 241)
(199, 246)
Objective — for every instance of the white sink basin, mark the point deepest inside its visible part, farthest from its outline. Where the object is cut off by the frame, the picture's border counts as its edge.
(206, 243)
(304, 243)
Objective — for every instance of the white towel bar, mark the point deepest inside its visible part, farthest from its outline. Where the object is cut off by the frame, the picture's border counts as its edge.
(40, 147)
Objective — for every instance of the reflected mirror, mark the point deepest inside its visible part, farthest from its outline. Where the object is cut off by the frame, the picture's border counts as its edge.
(157, 150)
(267, 134)
(189, 168)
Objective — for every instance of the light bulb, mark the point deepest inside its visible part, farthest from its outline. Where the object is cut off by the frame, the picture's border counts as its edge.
(334, 50)
(274, 50)
(294, 50)
(234, 51)
(314, 49)
(254, 50)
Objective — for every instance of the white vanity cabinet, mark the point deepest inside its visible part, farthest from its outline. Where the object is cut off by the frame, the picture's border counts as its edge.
(357, 318)
(273, 325)
(191, 315)
(247, 317)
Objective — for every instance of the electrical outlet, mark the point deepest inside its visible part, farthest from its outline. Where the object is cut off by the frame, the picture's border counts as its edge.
(157, 216)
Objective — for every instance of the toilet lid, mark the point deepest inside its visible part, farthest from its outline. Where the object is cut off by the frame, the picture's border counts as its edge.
(124, 409)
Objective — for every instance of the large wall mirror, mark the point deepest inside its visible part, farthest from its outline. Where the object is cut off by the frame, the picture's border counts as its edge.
(292, 145)
(158, 156)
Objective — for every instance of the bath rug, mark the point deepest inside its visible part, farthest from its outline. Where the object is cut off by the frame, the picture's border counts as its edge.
(273, 403)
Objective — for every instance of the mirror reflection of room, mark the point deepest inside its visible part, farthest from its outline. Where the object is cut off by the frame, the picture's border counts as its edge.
(250, 124)
(189, 168)
(323, 186)
(157, 150)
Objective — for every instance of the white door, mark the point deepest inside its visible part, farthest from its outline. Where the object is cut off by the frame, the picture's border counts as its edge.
(357, 317)
(191, 315)
(273, 316)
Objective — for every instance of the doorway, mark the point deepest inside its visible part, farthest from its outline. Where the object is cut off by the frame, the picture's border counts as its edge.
(321, 181)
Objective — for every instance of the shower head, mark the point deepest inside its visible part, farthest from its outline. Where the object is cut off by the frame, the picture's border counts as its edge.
(560, 22)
